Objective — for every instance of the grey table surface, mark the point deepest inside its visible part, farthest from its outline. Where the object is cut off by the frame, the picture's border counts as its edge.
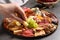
(54, 36)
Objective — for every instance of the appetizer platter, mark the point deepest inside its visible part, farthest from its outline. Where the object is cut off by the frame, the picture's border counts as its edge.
(38, 23)
(48, 3)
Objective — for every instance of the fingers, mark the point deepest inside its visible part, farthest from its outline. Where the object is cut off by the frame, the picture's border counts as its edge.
(21, 12)
(17, 18)
(20, 20)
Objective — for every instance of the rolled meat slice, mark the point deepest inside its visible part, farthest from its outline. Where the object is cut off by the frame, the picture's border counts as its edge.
(27, 33)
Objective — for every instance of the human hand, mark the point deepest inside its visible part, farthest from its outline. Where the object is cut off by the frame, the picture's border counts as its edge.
(8, 10)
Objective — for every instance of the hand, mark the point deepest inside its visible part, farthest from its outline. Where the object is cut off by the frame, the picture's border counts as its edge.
(8, 10)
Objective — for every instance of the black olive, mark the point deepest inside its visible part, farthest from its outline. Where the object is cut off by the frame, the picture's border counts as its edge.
(54, 23)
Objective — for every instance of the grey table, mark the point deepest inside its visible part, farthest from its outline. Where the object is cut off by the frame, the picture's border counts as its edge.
(54, 36)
